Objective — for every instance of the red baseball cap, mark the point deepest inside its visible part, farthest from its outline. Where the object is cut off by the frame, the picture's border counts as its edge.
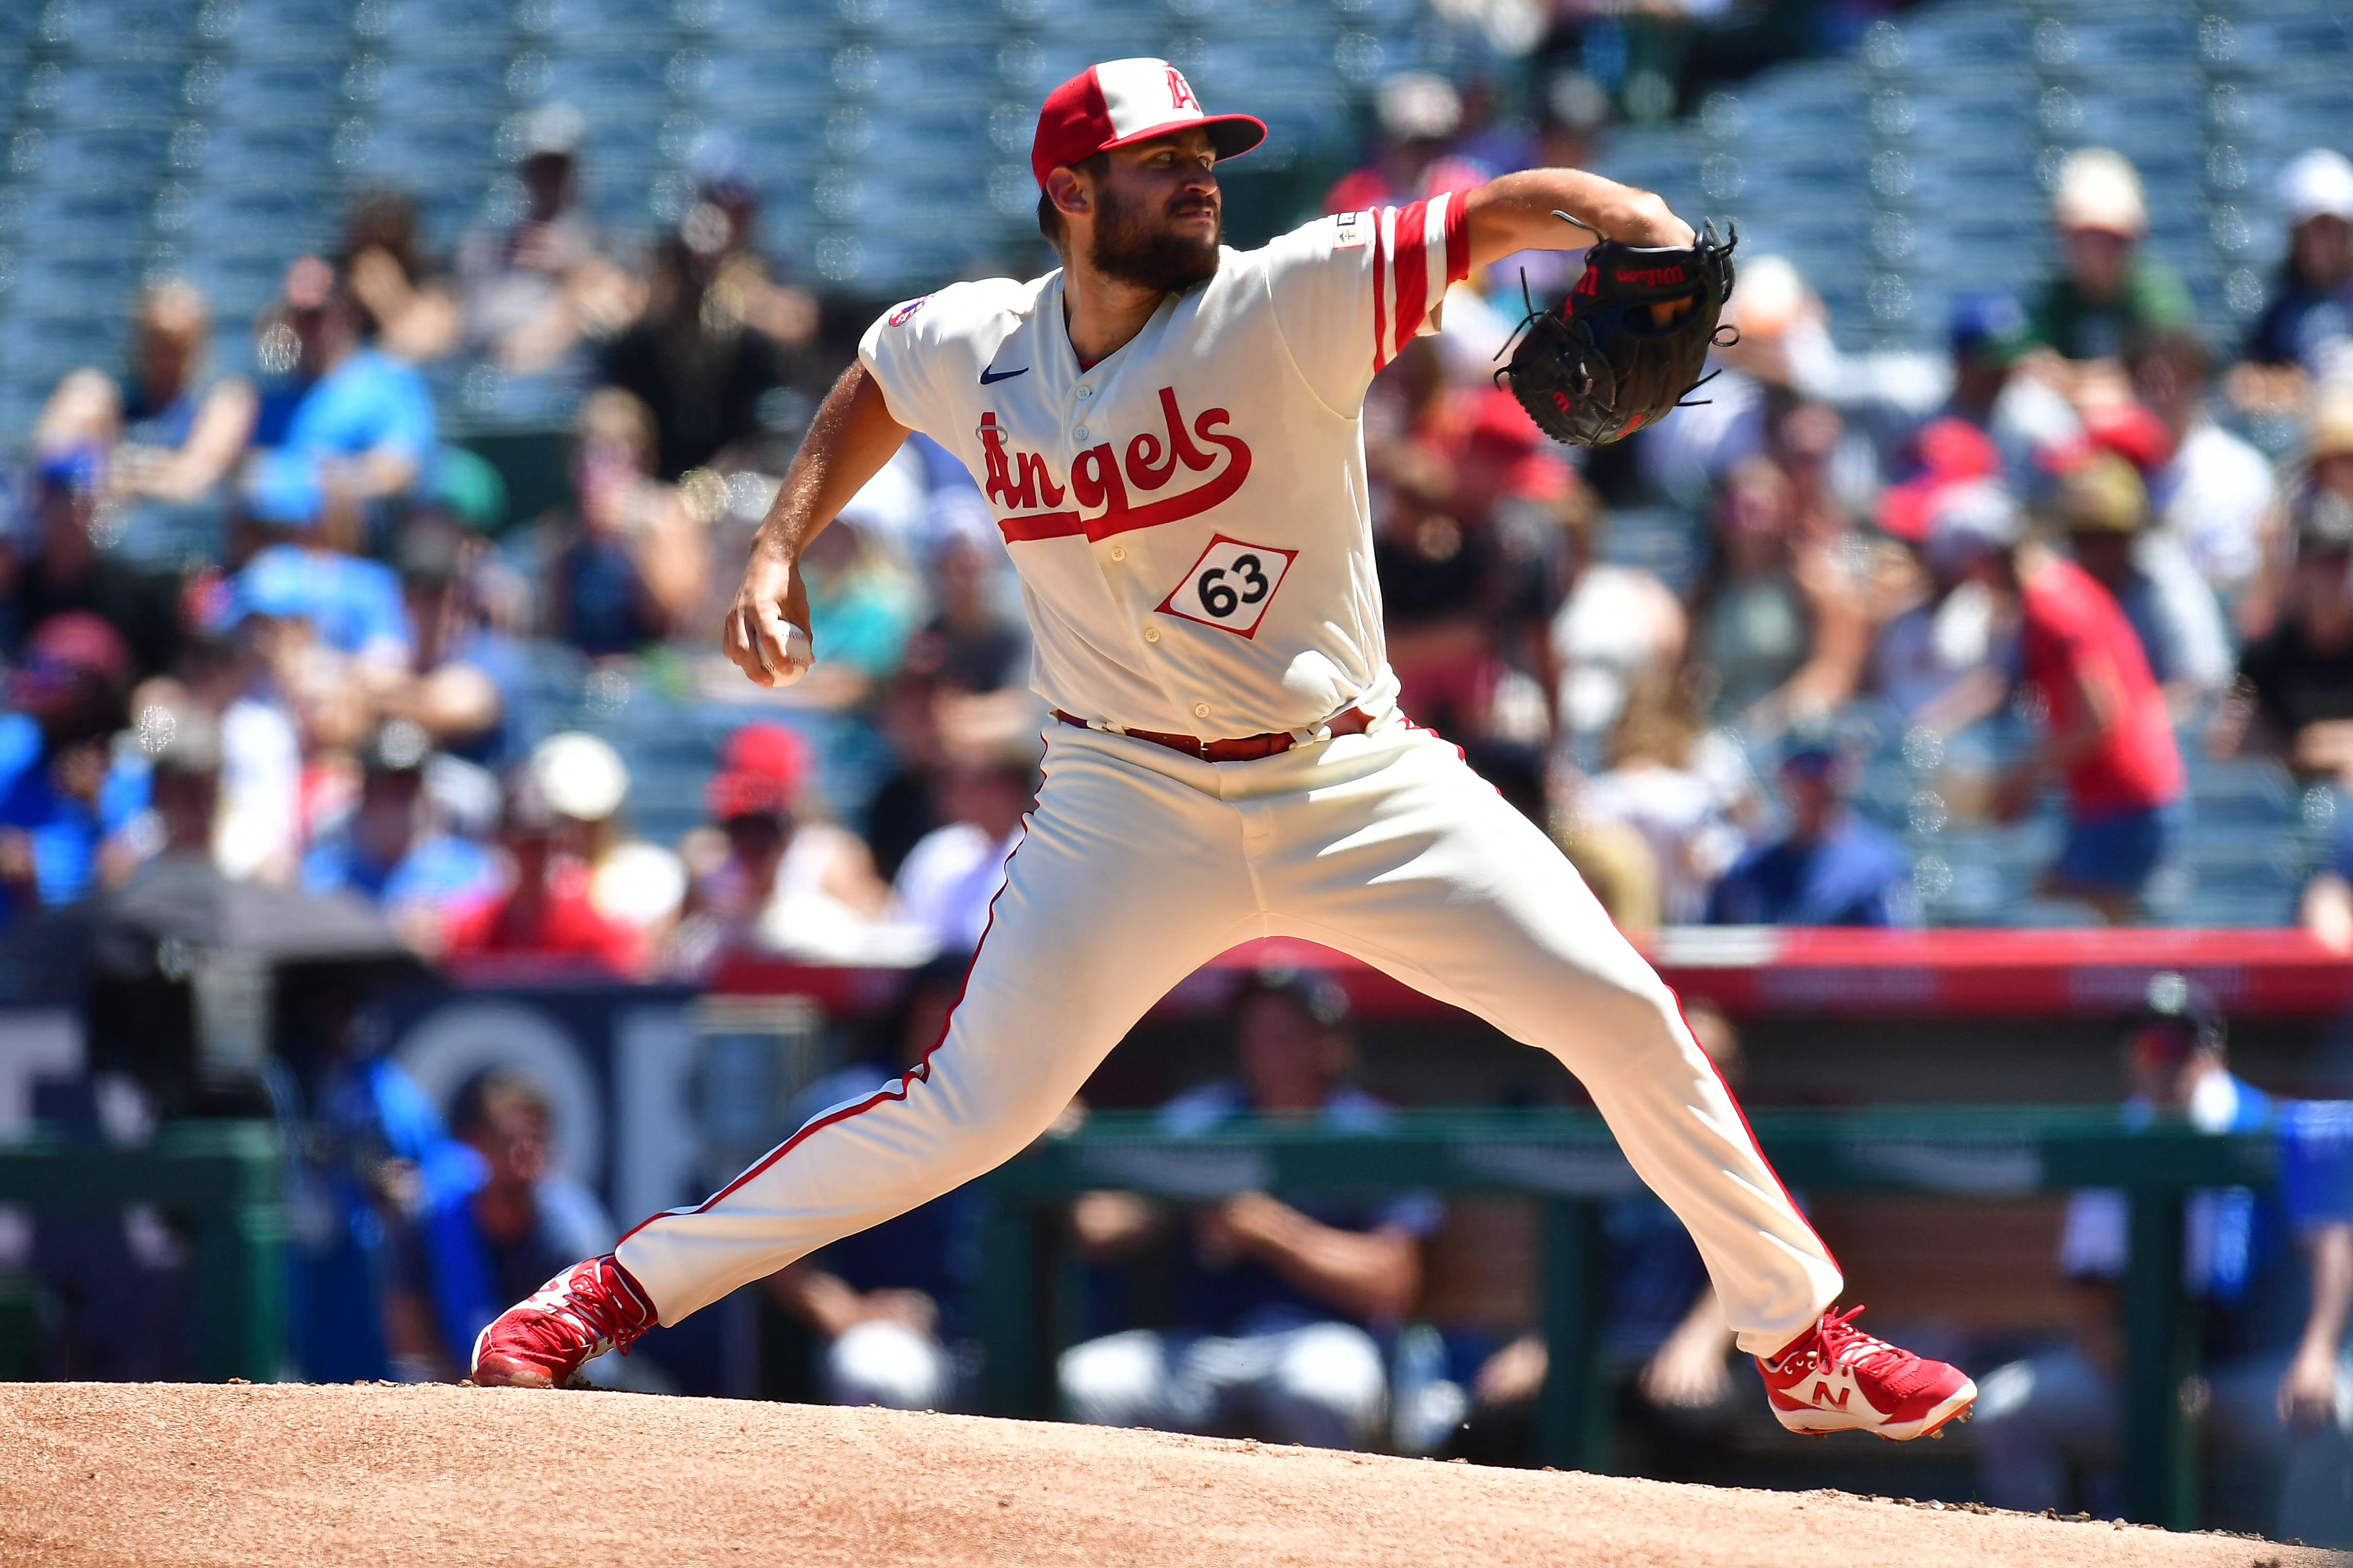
(760, 770)
(1951, 451)
(1123, 102)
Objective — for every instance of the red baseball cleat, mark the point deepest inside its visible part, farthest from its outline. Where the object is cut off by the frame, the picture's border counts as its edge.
(1834, 1377)
(589, 1309)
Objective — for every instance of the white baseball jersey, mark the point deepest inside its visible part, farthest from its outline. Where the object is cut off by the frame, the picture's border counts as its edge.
(1189, 516)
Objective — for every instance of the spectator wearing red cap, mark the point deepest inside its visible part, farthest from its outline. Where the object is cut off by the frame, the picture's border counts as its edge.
(1937, 651)
(62, 791)
(766, 879)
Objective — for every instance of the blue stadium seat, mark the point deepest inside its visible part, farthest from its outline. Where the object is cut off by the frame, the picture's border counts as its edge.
(440, 87)
(101, 94)
(435, 26)
(278, 29)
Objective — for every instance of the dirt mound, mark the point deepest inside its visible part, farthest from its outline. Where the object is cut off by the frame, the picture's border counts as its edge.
(163, 1475)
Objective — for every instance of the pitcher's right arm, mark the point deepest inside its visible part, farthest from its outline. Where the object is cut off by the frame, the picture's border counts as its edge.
(852, 437)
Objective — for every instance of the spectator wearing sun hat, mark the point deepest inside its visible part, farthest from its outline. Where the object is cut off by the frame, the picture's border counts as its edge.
(2103, 506)
(2109, 290)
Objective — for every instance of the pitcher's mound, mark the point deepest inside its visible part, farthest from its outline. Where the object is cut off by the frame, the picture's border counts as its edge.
(155, 1474)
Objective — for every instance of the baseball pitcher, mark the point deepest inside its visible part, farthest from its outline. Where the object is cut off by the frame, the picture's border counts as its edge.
(1167, 434)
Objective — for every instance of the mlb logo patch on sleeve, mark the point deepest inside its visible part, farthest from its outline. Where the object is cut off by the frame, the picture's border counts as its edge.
(1231, 586)
(1350, 230)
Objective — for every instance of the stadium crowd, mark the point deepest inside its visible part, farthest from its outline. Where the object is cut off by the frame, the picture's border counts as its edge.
(2043, 559)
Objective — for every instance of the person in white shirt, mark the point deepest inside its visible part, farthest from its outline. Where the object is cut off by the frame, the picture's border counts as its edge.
(1166, 431)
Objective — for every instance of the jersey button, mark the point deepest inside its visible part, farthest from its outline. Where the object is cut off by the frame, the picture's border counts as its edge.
(1152, 634)
(1201, 709)
(1079, 434)
(1119, 553)
(1084, 393)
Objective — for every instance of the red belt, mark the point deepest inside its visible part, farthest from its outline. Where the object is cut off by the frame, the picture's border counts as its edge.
(1247, 749)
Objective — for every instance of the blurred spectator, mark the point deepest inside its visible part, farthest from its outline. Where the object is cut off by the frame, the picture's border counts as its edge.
(691, 357)
(970, 645)
(1829, 868)
(232, 673)
(2020, 414)
(635, 884)
(2107, 735)
(1276, 1298)
(863, 606)
(352, 429)
(64, 790)
(532, 290)
(1781, 622)
(184, 781)
(773, 880)
(891, 1304)
(2214, 496)
(1618, 626)
(2110, 288)
(716, 338)
(2326, 907)
(1938, 651)
(633, 561)
(58, 569)
(391, 853)
(2103, 508)
(2272, 1268)
(1667, 783)
(545, 907)
(1417, 114)
(166, 432)
(2305, 332)
(463, 672)
(905, 806)
(407, 307)
(953, 874)
(2295, 695)
(500, 1222)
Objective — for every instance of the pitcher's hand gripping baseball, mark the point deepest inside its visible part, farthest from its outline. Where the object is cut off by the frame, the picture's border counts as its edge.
(767, 630)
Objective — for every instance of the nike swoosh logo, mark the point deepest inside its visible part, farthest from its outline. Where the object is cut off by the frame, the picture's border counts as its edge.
(990, 377)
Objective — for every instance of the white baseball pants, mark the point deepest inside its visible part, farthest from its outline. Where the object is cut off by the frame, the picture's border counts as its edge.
(1140, 864)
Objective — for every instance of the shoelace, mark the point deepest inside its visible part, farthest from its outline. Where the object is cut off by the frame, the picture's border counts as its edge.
(600, 1317)
(1837, 1344)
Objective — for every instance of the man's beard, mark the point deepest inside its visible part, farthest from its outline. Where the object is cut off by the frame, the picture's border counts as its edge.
(1132, 248)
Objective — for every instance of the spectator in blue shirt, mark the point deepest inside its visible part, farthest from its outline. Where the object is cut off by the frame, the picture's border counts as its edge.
(497, 1219)
(1830, 869)
(1277, 1299)
(354, 430)
(63, 791)
(2274, 1270)
(389, 853)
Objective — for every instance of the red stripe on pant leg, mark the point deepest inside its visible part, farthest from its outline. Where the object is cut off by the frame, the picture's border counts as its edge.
(920, 1072)
(1380, 295)
(1749, 1132)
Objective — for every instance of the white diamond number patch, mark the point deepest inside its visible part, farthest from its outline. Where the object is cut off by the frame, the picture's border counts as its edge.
(1231, 586)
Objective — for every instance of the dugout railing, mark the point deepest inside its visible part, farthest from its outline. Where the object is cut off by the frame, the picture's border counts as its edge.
(1567, 1161)
(223, 1180)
